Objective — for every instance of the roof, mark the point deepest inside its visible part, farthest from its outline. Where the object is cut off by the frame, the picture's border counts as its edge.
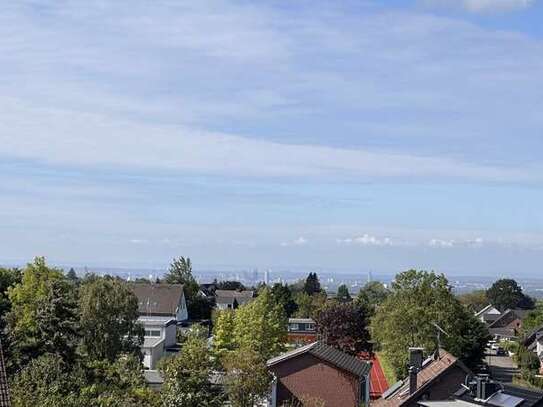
(301, 321)
(328, 354)
(446, 403)
(533, 336)
(432, 369)
(4, 389)
(158, 299)
(151, 342)
(486, 309)
(228, 296)
(530, 397)
(503, 332)
(507, 317)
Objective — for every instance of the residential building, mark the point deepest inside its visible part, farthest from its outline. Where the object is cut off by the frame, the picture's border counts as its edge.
(488, 314)
(508, 325)
(231, 299)
(481, 391)
(161, 300)
(534, 342)
(434, 378)
(322, 373)
(159, 339)
(301, 331)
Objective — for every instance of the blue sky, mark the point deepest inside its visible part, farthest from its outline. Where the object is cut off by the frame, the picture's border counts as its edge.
(350, 135)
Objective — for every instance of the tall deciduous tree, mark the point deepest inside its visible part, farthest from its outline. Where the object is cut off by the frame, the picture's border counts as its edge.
(308, 306)
(247, 377)
(261, 325)
(345, 327)
(187, 377)
(417, 301)
(180, 272)
(43, 315)
(372, 295)
(312, 284)
(109, 313)
(475, 300)
(223, 332)
(507, 294)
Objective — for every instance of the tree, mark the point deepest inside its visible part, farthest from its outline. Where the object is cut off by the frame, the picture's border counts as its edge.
(507, 294)
(180, 272)
(534, 319)
(8, 278)
(474, 300)
(345, 327)
(312, 284)
(372, 295)
(43, 317)
(418, 300)
(72, 276)
(187, 377)
(223, 332)
(46, 381)
(283, 296)
(230, 285)
(343, 294)
(309, 305)
(109, 313)
(261, 325)
(247, 377)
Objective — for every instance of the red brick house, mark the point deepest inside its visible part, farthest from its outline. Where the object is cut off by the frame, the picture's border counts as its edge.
(436, 378)
(508, 325)
(320, 372)
(301, 331)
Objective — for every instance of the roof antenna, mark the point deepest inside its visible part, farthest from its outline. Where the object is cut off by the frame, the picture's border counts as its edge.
(439, 331)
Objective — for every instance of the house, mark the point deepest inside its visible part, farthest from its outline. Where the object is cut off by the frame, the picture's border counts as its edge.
(481, 391)
(508, 325)
(231, 299)
(301, 331)
(165, 301)
(435, 378)
(534, 342)
(488, 314)
(320, 372)
(4, 389)
(159, 339)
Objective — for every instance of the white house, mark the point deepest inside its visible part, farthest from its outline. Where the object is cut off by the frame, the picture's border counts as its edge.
(161, 300)
(488, 314)
(160, 336)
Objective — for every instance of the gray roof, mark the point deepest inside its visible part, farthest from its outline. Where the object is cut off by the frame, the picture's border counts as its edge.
(531, 397)
(158, 299)
(329, 354)
(507, 317)
(301, 321)
(228, 296)
(151, 342)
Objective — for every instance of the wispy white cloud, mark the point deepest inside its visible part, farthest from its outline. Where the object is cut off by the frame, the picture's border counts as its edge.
(483, 6)
(366, 240)
(473, 243)
(300, 241)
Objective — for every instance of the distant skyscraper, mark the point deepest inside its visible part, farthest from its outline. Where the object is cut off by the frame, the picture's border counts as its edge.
(369, 276)
(267, 277)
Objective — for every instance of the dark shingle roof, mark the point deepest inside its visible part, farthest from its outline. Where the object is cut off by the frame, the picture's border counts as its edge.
(228, 296)
(531, 397)
(507, 317)
(4, 390)
(329, 354)
(158, 299)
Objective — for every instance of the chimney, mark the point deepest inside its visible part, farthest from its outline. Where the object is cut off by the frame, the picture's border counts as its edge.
(412, 380)
(415, 358)
(485, 387)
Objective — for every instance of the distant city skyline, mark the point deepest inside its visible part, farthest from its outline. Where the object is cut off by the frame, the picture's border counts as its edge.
(360, 135)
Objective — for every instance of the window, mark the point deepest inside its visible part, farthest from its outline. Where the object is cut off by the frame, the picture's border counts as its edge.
(310, 327)
(294, 327)
(152, 332)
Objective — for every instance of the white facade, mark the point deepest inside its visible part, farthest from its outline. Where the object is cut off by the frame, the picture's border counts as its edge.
(160, 334)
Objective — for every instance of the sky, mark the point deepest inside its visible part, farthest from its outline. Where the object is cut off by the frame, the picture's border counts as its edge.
(351, 136)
